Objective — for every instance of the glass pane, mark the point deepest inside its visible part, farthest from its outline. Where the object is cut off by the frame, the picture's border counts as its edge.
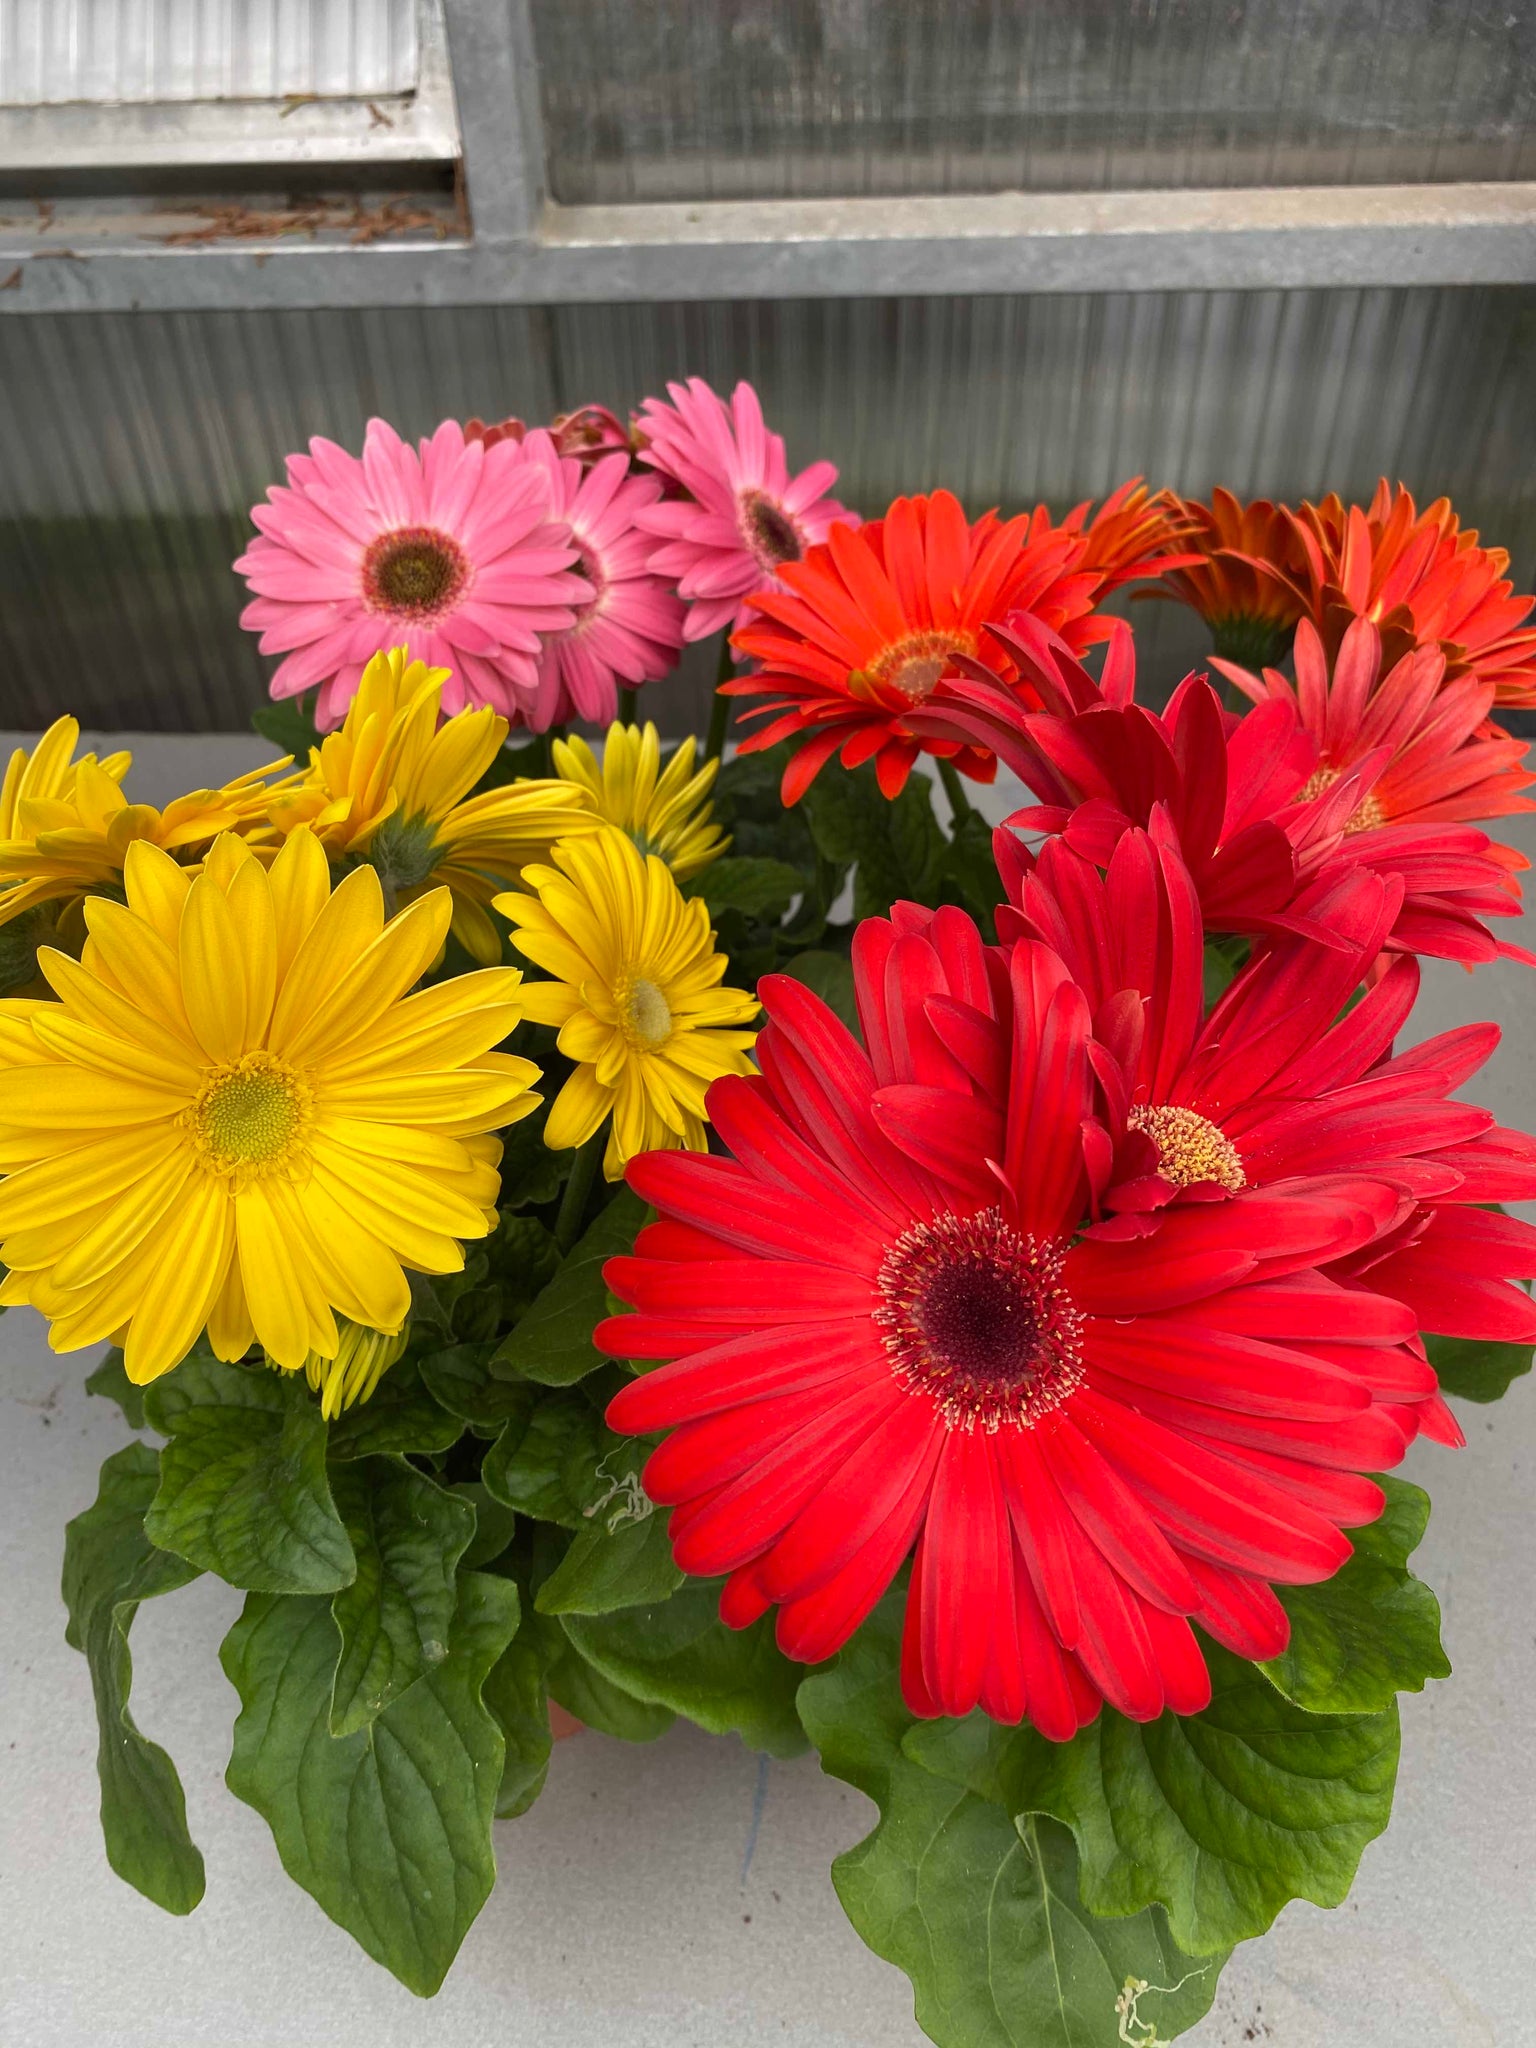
(106, 51)
(709, 99)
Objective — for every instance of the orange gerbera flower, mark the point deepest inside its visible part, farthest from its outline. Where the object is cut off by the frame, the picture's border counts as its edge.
(1242, 577)
(1423, 581)
(871, 620)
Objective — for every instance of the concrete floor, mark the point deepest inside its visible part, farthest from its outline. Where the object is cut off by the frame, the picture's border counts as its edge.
(628, 1914)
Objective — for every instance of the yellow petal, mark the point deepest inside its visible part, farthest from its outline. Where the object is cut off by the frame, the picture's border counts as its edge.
(212, 971)
(157, 887)
(301, 887)
(282, 1290)
(576, 1111)
(389, 967)
(339, 936)
(186, 1278)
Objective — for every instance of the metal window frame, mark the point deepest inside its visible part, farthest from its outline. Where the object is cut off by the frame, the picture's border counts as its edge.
(518, 247)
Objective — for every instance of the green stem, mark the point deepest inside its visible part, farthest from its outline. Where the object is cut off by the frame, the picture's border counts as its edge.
(627, 698)
(573, 1203)
(960, 804)
(720, 708)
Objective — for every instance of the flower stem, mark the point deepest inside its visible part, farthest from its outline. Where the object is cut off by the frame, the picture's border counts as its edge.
(960, 804)
(720, 708)
(573, 1203)
(627, 697)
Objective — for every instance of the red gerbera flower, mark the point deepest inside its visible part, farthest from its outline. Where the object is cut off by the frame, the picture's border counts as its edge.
(868, 624)
(1443, 759)
(1241, 579)
(1423, 580)
(1279, 1081)
(1236, 791)
(893, 1323)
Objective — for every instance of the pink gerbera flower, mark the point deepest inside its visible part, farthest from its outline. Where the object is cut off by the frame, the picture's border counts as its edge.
(631, 629)
(743, 516)
(454, 550)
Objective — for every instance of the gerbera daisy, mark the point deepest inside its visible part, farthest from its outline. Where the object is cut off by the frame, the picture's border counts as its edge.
(665, 811)
(1135, 533)
(1444, 761)
(236, 1116)
(1242, 580)
(453, 547)
(635, 992)
(893, 1325)
(1238, 793)
(1423, 580)
(743, 516)
(1284, 1077)
(587, 433)
(66, 826)
(631, 629)
(867, 626)
(391, 788)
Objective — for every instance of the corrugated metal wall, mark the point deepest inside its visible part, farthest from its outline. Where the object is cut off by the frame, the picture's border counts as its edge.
(694, 99)
(131, 445)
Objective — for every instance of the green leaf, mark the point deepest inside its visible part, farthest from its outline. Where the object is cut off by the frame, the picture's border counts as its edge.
(109, 1567)
(897, 846)
(243, 1489)
(407, 1536)
(495, 1525)
(679, 1654)
(761, 888)
(442, 1302)
(628, 1564)
(553, 1342)
(530, 1172)
(111, 1380)
(389, 1829)
(289, 727)
(1223, 959)
(1221, 1817)
(1477, 1369)
(460, 1377)
(969, 870)
(983, 1915)
(831, 976)
(516, 1695)
(545, 1461)
(399, 1416)
(1372, 1630)
(593, 1697)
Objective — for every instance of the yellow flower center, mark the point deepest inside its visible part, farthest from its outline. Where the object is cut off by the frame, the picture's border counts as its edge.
(1368, 816)
(913, 665)
(646, 1015)
(250, 1117)
(1190, 1147)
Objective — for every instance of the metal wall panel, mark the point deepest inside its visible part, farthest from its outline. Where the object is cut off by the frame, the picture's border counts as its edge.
(694, 99)
(106, 51)
(133, 444)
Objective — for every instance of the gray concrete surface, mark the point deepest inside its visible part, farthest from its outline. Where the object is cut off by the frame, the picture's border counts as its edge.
(628, 1913)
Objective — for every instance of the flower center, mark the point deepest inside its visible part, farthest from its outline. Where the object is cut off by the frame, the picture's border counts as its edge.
(250, 1117)
(913, 665)
(1368, 816)
(589, 566)
(647, 1017)
(974, 1313)
(415, 570)
(1190, 1148)
(769, 532)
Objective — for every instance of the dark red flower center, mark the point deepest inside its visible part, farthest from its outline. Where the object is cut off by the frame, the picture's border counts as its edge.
(769, 531)
(415, 570)
(974, 1313)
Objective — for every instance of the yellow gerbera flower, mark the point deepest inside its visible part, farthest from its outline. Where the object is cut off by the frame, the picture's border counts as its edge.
(663, 810)
(236, 1116)
(389, 788)
(66, 826)
(636, 994)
